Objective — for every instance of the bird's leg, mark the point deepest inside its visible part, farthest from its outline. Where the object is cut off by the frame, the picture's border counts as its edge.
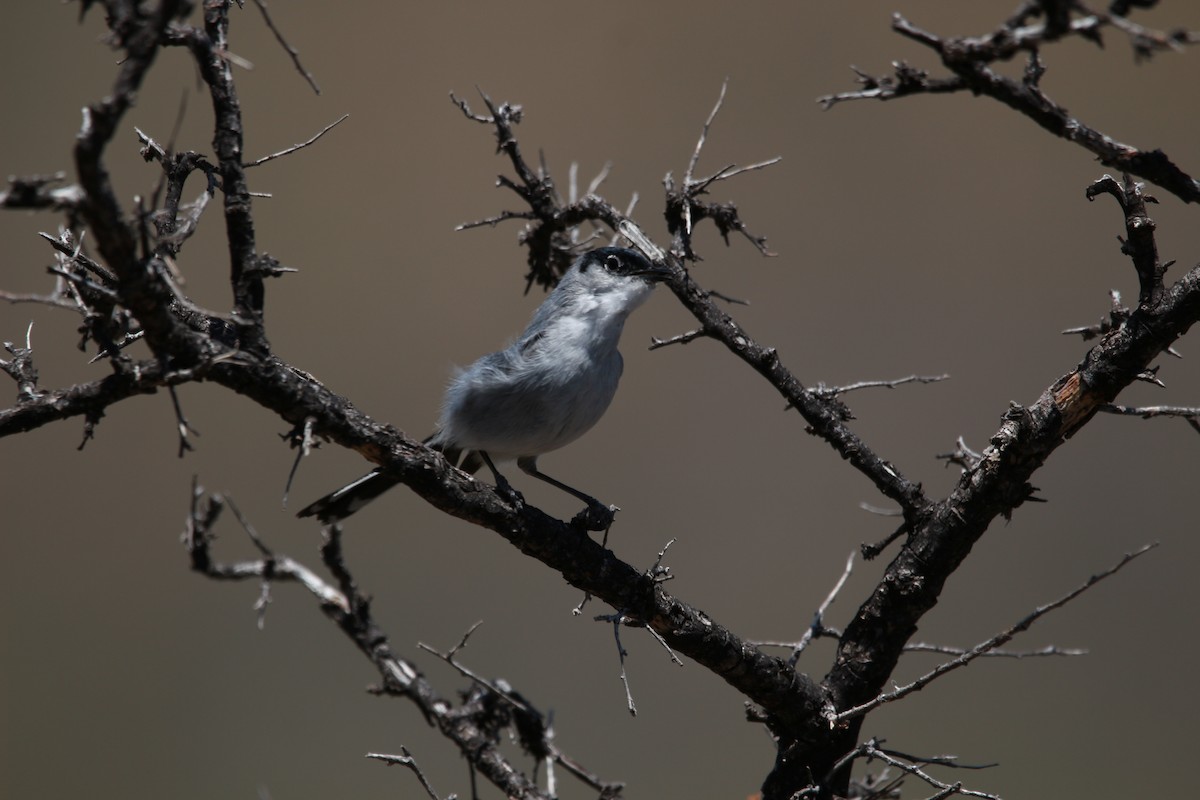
(596, 517)
(503, 487)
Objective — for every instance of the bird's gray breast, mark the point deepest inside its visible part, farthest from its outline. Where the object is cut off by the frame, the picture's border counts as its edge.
(538, 395)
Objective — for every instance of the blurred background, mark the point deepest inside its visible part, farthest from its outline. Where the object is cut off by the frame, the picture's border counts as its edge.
(929, 235)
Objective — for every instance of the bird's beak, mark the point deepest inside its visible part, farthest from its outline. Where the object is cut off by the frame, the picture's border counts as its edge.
(657, 273)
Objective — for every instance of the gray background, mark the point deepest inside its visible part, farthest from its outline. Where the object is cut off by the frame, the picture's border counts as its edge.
(928, 235)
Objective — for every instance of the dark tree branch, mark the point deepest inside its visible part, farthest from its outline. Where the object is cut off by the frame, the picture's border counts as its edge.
(135, 292)
(88, 400)
(39, 192)
(1139, 228)
(469, 725)
(968, 59)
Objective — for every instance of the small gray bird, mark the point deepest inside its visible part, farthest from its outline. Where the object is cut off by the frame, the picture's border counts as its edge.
(542, 392)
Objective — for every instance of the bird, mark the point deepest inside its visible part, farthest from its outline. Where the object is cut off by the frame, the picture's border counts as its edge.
(547, 388)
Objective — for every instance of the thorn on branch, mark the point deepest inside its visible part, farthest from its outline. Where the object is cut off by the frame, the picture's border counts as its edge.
(1151, 376)
(91, 419)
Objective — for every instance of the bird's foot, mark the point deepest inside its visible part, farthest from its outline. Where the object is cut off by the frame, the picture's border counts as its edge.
(508, 494)
(596, 517)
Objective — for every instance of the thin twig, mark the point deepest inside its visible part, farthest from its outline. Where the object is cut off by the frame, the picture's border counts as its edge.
(831, 391)
(871, 749)
(1047, 651)
(302, 145)
(1190, 414)
(733, 170)
(407, 760)
(291, 51)
(712, 115)
(183, 426)
(682, 338)
(491, 686)
(691, 167)
(990, 644)
(818, 623)
(493, 221)
(616, 620)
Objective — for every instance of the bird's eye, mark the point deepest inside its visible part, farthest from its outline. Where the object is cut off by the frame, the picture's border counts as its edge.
(612, 264)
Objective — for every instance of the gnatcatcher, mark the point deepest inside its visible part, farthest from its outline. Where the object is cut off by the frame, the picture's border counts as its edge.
(542, 392)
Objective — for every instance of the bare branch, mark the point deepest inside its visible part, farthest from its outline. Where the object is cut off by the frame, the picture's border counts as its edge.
(1191, 414)
(983, 647)
(682, 338)
(872, 750)
(302, 145)
(691, 167)
(817, 628)
(291, 51)
(616, 620)
(833, 391)
(1043, 652)
(350, 611)
(184, 427)
(407, 760)
(969, 59)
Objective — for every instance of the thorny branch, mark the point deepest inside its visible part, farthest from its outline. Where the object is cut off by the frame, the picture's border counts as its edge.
(969, 61)
(472, 725)
(131, 291)
(939, 533)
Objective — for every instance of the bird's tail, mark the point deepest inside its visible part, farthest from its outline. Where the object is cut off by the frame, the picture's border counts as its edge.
(336, 506)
